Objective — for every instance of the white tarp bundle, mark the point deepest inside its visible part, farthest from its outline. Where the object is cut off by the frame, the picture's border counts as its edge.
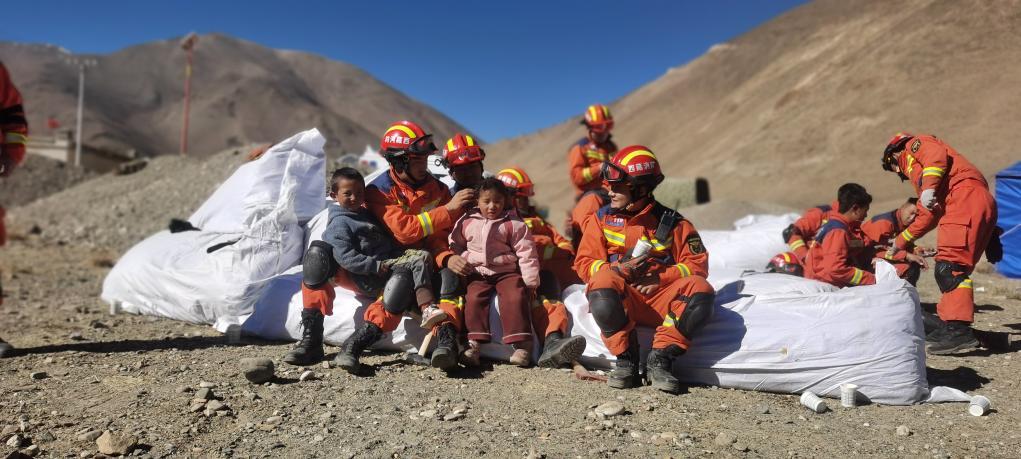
(257, 217)
(770, 332)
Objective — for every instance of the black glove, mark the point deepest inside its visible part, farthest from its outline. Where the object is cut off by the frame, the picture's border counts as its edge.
(994, 250)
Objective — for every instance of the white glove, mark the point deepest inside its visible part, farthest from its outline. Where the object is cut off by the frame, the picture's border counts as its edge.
(928, 198)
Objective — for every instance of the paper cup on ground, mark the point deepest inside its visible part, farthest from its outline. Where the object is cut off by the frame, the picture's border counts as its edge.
(979, 406)
(813, 402)
(642, 247)
(848, 395)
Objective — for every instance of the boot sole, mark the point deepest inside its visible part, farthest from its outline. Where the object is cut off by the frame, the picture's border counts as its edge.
(571, 349)
(351, 367)
(434, 320)
(965, 346)
(444, 360)
(298, 362)
(668, 387)
(622, 384)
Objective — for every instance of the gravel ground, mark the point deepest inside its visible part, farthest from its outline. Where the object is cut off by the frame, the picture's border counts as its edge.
(82, 372)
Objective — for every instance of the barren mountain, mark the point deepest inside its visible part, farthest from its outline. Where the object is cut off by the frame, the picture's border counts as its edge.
(241, 92)
(792, 109)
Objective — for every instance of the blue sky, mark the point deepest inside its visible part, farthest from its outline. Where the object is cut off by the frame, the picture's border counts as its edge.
(499, 68)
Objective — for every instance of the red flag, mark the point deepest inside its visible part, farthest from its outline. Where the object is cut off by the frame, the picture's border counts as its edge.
(52, 123)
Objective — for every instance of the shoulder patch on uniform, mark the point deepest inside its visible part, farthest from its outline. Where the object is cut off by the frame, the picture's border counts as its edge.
(915, 145)
(694, 242)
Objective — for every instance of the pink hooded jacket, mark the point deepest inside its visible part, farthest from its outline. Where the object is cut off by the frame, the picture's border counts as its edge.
(496, 246)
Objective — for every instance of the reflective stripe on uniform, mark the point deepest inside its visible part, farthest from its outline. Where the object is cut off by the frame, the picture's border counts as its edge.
(966, 283)
(933, 172)
(458, 303)
(669, 320)
(15, 137)
(613, 238)
(907, 235)
(595, 267)
(586, 175)
(796, 244)
(565, 245)
(657, 245)
(427, 223)
(685, 270)
(856, 278)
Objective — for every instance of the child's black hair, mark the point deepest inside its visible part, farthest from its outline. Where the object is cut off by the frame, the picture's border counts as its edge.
(347, 173)
(494, 184)
(912, 201)
(852, 194)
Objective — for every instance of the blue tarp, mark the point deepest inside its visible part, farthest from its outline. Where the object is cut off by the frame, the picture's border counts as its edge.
(1008, 203)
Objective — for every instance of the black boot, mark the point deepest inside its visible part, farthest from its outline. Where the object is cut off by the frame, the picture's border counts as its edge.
(309, 350)
(934, 327)
(558, 351)
(352, 349)
(659, 366)
(624, 374)
(956, 337)
(5, 348)
(445, 355)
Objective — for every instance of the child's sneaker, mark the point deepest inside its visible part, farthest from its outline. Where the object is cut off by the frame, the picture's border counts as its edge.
(522, 355)
(432, 316)
(472, 356)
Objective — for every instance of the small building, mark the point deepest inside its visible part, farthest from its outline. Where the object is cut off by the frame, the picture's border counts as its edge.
(61, 147)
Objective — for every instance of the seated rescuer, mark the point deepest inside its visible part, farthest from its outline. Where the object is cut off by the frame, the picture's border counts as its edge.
(419, 211)
(799, 234)
(358, 253)
(838, 253)
(556, 257)
(882, 229)
(644, 264)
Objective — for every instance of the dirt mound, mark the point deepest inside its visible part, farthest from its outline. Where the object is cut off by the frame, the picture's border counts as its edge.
(38, 177)
(792, 109)
(241, 92)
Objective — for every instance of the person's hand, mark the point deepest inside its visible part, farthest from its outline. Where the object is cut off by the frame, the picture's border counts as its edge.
(461, 199)
(917, 259)
(892, 252)
(928, 198)
(925, 251)
(629, 269)
(459, 265)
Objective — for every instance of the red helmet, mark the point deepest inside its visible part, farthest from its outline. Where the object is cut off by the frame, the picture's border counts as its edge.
(786, 263)
(598, 118)
(405, 137)
(636, 165)
(461, 149)
(517, 180)
(894, 146)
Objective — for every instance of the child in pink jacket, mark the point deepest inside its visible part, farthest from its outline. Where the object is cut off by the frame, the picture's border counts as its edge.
(498, 245)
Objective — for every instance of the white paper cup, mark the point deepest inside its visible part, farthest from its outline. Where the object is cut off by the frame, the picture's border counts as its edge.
(642, 247)
(979, 406)
(813, 402)
(848, 395)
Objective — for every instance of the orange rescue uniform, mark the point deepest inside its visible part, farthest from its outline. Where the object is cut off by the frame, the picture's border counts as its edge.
(585, 159)
(836, 254)
(880, 231)
(556, 255)
(802, 232)
(680, 264)
(965, 215)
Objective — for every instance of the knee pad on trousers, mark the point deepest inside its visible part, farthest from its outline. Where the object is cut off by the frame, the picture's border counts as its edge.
(913, 273)
(789, 231)
(399, 291)
(450, 284)
(549, 286)
(945, 278)
(318, 265)
(698, 311)
(608, 310)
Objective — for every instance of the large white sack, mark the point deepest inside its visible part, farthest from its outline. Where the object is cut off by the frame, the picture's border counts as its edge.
(755, 240)
(174, 275)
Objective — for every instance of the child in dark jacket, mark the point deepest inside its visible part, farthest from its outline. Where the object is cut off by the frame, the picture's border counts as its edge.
(365, 259)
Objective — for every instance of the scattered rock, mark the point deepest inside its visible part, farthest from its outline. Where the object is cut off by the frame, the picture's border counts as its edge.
(115, 444)
(90, 435)
(257, 370)
(207, 385)
(274, 420)
(428, 414)
(307, 375)
(8, 430)
(903, 431)
(196, 407)
(453, 416)
(204, 394)
(610, 409)
(15, 441)
(740, 447)
(46, 437)
(327, 364)
(216, 405)
(32, 451)
(76, 336)
(762, 408)
(725, 439)
(39, 375)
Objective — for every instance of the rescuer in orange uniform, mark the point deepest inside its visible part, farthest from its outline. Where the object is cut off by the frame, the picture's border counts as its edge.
(585, 159)
(13, 137)
(838, 255)
(419, 211)
(556, 258)
(662, 284)
(883, 228)
(964, 212)
(799, 234)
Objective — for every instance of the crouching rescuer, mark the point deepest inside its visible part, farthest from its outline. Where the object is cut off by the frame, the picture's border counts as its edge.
(643, 264)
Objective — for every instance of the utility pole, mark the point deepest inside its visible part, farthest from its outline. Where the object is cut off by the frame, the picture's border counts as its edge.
(187, 44)
(82, 64)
